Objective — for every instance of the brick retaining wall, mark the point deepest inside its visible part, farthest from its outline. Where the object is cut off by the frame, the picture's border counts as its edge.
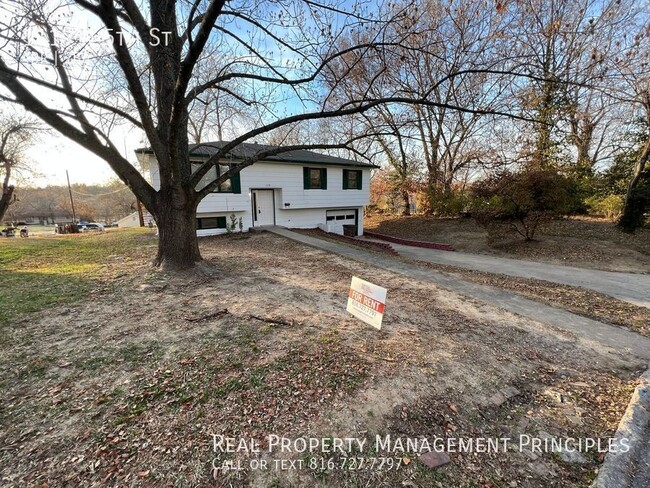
(408, 242)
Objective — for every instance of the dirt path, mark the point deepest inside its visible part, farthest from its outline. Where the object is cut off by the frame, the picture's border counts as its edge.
(630, 287)
(589, 331)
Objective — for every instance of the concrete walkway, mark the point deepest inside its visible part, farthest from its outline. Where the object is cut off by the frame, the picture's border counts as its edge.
(625, 468)
(590, 331)
(630, 287)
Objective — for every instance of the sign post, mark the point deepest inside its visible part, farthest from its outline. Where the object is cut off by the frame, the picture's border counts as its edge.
(367, 301)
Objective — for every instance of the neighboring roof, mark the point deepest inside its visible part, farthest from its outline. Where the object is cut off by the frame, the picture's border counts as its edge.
(246, 150)
(146, 216)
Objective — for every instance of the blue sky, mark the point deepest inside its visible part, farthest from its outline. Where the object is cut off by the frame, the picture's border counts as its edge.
(54, 153)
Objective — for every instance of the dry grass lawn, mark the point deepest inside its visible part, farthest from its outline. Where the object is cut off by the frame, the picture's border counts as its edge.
(125, 384)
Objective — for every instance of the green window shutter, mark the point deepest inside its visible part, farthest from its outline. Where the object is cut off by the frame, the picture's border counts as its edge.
(235, 181)
(221, 222)
(305, 178)
(323, 178)
(345, 179)
(359, 180)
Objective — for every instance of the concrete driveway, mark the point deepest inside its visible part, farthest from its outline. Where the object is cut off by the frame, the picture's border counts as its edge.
(630, 287)
(586, 330)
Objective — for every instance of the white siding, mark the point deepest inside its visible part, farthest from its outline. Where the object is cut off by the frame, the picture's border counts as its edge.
(214, 232)
(129, 221)
(295, 207)
(289, 178)
(300, 219)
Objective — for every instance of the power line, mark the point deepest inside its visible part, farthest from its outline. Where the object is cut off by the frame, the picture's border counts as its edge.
(100, 194)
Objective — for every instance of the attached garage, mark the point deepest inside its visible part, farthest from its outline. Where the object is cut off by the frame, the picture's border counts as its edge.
(336, 219)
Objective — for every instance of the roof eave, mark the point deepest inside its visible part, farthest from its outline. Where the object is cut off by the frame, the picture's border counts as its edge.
(146, 150)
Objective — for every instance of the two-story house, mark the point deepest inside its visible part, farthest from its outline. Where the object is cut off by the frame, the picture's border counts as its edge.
(296, 189)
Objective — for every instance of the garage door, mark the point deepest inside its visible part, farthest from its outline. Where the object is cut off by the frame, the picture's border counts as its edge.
(336, 219)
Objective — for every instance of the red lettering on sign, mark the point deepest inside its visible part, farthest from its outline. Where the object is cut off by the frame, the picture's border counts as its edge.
(366, 300)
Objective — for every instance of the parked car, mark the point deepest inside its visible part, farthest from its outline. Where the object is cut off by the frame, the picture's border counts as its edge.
(91, 227)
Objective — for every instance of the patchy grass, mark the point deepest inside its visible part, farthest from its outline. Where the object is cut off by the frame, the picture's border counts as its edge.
(37, 273)
(532, 410)
(125, 387)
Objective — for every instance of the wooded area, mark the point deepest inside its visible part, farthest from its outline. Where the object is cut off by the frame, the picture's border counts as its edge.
(93, 203)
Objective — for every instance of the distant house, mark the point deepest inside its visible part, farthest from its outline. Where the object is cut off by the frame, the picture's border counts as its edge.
(60, 217)
(133, 220)
(296, 189)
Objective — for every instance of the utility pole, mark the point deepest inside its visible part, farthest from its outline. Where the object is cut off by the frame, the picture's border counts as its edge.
(140, 215)
(74, 215)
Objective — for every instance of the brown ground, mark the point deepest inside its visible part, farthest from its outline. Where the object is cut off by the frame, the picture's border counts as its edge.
(581, 301)
(582, 242)
(126, 390)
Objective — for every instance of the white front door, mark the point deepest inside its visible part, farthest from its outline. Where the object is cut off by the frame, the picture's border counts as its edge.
(263, 208)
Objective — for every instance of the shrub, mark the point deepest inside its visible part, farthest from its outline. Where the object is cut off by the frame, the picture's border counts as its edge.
(522, 201)
(609, 207)
(452, 205)
(234, 224)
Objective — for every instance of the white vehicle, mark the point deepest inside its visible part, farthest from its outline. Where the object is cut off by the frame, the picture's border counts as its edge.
(92, 227)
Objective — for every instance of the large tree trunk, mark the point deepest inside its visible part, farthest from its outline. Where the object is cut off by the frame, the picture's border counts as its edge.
(635, 205)
(406, 202)
(449, 180)
(178, 246)
(639, 168)
(583, 145)
(432, 191)
(5, 201)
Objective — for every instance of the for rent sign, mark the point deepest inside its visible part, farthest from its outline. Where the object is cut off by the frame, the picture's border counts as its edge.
(367, 301)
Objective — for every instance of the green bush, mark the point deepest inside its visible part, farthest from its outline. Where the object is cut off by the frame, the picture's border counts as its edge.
(452, 205)
(609, 207)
